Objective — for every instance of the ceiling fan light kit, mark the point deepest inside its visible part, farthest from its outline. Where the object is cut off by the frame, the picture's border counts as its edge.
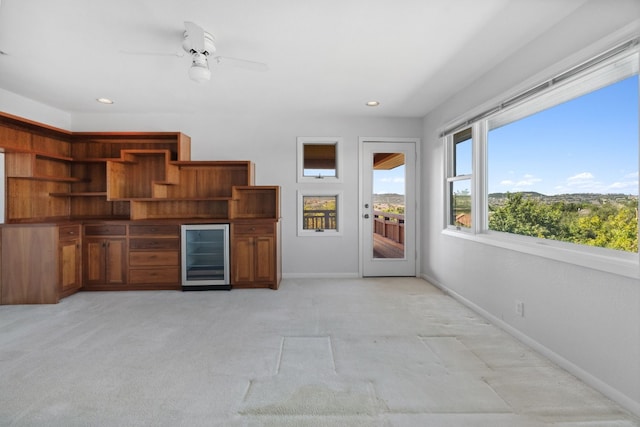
(199, 71)
(199, 44)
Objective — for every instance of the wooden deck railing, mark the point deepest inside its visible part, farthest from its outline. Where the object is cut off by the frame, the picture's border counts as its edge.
(389, 225)
(319, 220)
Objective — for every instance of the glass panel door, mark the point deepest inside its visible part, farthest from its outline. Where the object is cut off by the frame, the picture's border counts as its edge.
(388, 209)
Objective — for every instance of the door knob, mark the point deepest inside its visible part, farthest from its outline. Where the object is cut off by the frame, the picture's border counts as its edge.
(365, 216)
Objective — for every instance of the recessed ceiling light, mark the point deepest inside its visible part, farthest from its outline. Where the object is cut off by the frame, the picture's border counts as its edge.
(104, 101)
(372, 104)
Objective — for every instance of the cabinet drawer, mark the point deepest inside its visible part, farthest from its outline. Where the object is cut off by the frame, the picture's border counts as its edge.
(105, 230)
(154, 230)
(154, 258)
(154, 244)
(154, 275)
(254, 229)
(69, 232)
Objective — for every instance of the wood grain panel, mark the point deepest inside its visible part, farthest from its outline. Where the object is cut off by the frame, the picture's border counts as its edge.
(27, 279)
(154, 275)
(157, 258)
(11, 137)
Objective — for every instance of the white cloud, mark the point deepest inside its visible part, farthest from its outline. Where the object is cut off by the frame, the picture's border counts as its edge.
(631, 186)
(580, 178)
(525, 183)
(586, 182)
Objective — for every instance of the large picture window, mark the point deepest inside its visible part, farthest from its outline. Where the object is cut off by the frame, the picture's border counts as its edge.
(558, 162)
(570, 172)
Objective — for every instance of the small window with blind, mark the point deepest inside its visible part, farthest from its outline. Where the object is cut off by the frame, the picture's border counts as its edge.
(319, 159)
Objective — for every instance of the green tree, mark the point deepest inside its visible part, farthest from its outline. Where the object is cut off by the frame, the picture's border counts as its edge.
(619, 230)
(520, 215)
(610, 225)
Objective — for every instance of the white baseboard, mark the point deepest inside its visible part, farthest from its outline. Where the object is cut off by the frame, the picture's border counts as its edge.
(604, 388)
(320, 275)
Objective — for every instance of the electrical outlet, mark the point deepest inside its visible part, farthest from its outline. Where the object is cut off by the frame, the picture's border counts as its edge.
(520, 308)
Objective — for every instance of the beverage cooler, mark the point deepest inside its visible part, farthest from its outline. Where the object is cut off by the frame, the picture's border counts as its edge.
(205, 257)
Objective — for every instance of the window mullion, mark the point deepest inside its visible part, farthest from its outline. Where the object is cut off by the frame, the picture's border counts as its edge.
(480, 195)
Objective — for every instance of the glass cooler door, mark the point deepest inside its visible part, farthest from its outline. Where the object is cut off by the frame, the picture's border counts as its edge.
(205, 257)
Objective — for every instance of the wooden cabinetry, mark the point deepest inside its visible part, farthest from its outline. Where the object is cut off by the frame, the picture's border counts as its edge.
(255, 255)
(40, 263)
(70, 253)
(105, 256)
(154, 256)
(117, 183)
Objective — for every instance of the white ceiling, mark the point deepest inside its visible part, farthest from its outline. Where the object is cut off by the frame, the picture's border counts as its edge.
(324, 56)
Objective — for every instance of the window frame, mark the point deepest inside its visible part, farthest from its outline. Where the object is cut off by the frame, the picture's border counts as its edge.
(453, 177)
(586, 80)
(319, 140)
(301, 232)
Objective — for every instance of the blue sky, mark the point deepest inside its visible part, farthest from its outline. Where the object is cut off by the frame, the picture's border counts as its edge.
(389, 181)
(586, 145)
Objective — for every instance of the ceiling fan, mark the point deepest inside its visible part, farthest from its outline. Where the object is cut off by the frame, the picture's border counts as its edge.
(201, 46)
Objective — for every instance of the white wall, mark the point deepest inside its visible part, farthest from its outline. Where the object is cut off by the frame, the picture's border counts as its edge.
(23, 107)
(270, 142)
(586, 320)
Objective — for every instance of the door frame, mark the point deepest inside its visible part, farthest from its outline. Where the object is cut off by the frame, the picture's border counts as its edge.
(417, 189)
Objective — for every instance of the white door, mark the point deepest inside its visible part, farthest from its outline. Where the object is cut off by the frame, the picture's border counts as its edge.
(388, 207)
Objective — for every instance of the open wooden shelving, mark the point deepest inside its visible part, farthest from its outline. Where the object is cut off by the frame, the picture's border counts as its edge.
(53, 173)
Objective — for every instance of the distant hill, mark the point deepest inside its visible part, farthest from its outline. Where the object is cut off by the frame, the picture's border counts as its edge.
(593, 198)
(389, 199)
(499, 198)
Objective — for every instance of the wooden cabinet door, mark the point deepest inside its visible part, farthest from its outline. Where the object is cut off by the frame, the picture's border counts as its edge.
(116, 261)
(105, 261)
(70, 259)
(242, 259)
(94, 261)
(264, 254)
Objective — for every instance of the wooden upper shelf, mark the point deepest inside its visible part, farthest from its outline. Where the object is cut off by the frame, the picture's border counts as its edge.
(135, 175)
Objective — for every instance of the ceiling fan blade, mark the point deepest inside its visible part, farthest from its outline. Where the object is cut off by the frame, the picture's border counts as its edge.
(178, 54)
(195, 33)
(242, 63)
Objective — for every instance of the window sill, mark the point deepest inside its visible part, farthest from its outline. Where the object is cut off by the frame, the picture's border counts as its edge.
(620, 263)
(326, 233)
